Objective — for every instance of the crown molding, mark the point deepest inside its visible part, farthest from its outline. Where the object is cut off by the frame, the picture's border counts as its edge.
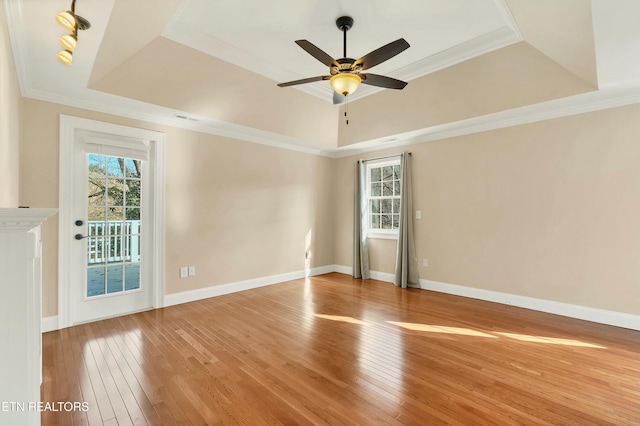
(573, 105)
(142, 111)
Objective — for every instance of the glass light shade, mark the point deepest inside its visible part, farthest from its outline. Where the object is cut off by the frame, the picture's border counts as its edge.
(69, 42)
(65, 57)
(345, 83)
(66, 19)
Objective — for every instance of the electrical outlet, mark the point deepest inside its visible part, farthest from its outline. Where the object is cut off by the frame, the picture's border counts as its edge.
(184, 272)
(418, 214)
(425, 263)
(192, 271)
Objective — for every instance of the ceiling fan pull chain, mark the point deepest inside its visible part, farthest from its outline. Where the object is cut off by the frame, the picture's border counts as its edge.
(346, 108)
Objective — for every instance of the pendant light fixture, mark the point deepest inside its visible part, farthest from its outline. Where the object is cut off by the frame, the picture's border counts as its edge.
(73, 23)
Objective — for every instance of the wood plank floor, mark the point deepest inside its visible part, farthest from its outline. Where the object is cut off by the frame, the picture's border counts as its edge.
(339, 351)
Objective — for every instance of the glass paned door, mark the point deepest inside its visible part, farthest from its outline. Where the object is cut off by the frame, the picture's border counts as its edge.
(114, 229)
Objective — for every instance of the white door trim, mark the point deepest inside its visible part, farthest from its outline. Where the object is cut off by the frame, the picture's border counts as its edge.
(68, 127)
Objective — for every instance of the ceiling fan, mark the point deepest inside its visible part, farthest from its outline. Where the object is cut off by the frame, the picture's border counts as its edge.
(344, 73)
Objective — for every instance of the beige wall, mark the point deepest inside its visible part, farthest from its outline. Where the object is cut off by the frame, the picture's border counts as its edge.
(9, 121)
(549, 210)
(234, 209)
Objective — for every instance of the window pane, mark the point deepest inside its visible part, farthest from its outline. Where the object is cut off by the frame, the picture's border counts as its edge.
(386, 221)
(375, 174)
(133, 214)
(97, 213)
(396, 221)
(115, 166)
(96, 228)
(385, 206)
(376, 190)
(95, 281)
(396, 187)
(97, 164)
(132, 168)
(114, 279)
(96, 249)
(375, 206)
(375, 221)
(387, 173)
(387, 189)
(396, 172)
(115, 192)
(132, 276)
(132, 193)
(96, 191)
(132, 249)
(115, 214)
(116, 249)
(396, 205)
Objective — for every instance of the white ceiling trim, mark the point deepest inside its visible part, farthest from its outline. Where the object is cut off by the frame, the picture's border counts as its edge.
(170, 117)
(573, 105)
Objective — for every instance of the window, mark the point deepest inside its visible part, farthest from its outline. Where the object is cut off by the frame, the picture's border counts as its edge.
(383, 198)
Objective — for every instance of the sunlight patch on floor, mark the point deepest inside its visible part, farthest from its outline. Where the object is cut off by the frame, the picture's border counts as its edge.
(341, 318)
(550, 340)
(470, 332)
(441, 329)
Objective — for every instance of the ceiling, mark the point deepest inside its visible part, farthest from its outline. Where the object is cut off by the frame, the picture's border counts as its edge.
(213, 66)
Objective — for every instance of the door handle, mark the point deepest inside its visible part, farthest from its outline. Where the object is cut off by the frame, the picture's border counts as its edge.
(79, 222)
(80, 236)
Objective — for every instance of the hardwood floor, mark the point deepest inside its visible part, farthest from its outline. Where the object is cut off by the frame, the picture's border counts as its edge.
(334, 350)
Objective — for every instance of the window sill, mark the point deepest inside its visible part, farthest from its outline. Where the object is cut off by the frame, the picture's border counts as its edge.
(383, 235)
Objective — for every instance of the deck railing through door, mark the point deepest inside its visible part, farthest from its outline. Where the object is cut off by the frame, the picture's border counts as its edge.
(113, 241)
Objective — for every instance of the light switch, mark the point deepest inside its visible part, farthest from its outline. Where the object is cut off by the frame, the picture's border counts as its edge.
(418, 214)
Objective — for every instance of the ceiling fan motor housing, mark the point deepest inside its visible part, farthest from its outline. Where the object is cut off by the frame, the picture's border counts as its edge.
(344, 23)
(346, 65)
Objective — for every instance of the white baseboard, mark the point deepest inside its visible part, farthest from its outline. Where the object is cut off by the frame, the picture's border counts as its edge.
(219, 290)
(348, 270)
(618, 319)
(49, 323)
(375, 275)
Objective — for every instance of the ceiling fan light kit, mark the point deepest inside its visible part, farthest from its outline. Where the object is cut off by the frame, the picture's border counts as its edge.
(345, 83)
(72, 22)
(344, 73)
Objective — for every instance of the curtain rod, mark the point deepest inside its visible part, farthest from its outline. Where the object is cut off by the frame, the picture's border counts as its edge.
(382, 158)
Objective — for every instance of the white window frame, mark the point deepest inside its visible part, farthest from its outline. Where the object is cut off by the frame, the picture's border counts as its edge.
(390, 234)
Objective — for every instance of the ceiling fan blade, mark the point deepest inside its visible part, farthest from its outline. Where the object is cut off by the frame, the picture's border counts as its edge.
(382, 81)
(304, 80)
(383, 53)
(338, 98)
(317, 53)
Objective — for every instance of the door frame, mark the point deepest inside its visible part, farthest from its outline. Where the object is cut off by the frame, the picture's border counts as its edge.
(68, 127)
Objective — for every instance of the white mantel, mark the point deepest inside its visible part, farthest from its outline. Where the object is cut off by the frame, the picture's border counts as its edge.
(20, 314)
(23, 219)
